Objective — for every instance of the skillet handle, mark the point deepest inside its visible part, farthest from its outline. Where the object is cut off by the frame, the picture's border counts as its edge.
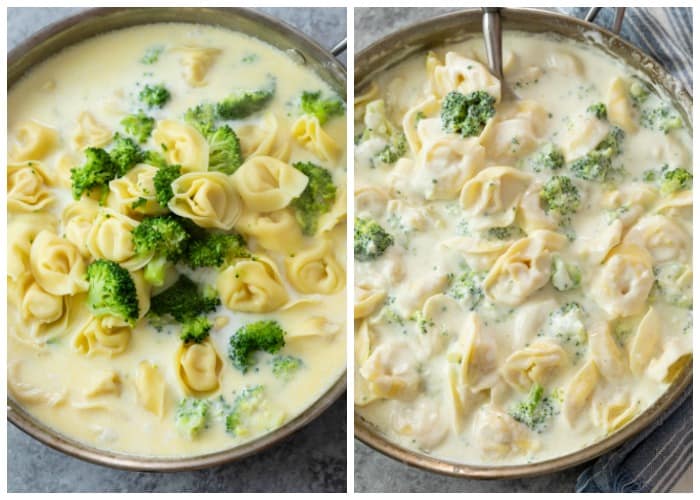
(340, 47)
(619, 16)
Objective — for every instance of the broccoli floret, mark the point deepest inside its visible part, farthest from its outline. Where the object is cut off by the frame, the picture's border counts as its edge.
(203, 118)
(139, 126)
(95, 173)
(183, 301)
(597, 165)
(155, 159)
(674, 284)
(323, 109)
(639, 92)
(565, 276)
(152, 54)
(191, 416)
(378, 127)
(243, 103)
(111, 291)
(505, 233)
(550, 157)
(466, 114)
(371, 240)
(195, 330)
(162, 183)
(535, 411)
(566, 323)
(466, 288)
(125, 153)
(261, 335)
(598, 110)
(154, 96)
(285, 367)
(662, 118)
(166, 238)
(316, 199)
(675, 180)
(224, 150)
(214, 249)
(251, 414)
(560, 195)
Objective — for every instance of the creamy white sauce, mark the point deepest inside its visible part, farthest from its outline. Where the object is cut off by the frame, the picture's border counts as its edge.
(411, 380)
(103, 76)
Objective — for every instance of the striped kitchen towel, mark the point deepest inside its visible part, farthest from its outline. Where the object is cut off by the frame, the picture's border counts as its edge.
(656, 458)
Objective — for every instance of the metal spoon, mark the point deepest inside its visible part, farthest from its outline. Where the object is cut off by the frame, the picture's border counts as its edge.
(491, 26)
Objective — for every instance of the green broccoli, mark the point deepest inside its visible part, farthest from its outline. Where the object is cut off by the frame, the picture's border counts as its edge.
(674, 284)
(505, 233)
(152, 54)
(111, 291)
(674, 180)
(316, 199)
(560, 195)
(371, 240)
(467, 288)
(183, 301)
(125, 153)
(261, 335)
(243, 103)
(323, 109)
(163, 181)
(95, 173)
(466, 114)
(195, 330)
(565, 276)
(202, 117)
(550, 157)
(154, 96)
(155, 159)
(662, 118)
(566, 323)
(163, 236)
(191, 416)
(251, 414)
(535, 411)
(639, 92)
(139, 126)
(598, 110)
(597, 164)
(284, 367)
(214, 249)
(224, 150)
(378, 127)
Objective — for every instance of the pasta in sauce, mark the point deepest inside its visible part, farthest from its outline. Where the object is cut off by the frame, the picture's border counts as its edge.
(126, 384)
(513, 259)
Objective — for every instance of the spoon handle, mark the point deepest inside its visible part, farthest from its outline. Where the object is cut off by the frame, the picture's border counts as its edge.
(493, 40)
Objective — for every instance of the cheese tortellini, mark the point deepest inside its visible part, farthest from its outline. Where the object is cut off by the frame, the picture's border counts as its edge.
(90, 133)
(110, 238)
(57, 265)
(196, 62)
(96, 338)
(316, 270)
(134, 194)
(27, 187)
(268, 137)
(266, 228)
(183, 145)
(308, 132)
(267, 184)
(34, 141)
(198, 368)
(209, 199)
(252, 285)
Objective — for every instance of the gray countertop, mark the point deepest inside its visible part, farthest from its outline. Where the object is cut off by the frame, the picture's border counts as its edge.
(314, 459)
(373, 471)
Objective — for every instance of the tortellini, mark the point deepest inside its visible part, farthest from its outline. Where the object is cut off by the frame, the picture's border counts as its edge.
(608, 356)
(475, 353)
(183, 145)
(267, 184)
(57, 265)
(21, 231)
(90, 133)
(196, 62)
(105, 383)
(77, 219)
(252, 286)
(134, 193)
(371, 94)
(463, 75)
(613, 414)
(278, 231)
(664, 239)
(579, 392)
(150, 387)
(316, 270)
(515, 131)
(524, 268)
(490, 199)
(390, 371)
(619, 106)
(209, 199)
(110, 238)
(29, 393)
(268, 137)
(622, 284)
(676, 354)
(34, 141)
(27, 187)
(422, 422)
(198, 368)
(646, 342)
(368, 296)
(534, 363)
(95, 338)
(478, 253)
(307, 130)
(584, 136)
(500, 435)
